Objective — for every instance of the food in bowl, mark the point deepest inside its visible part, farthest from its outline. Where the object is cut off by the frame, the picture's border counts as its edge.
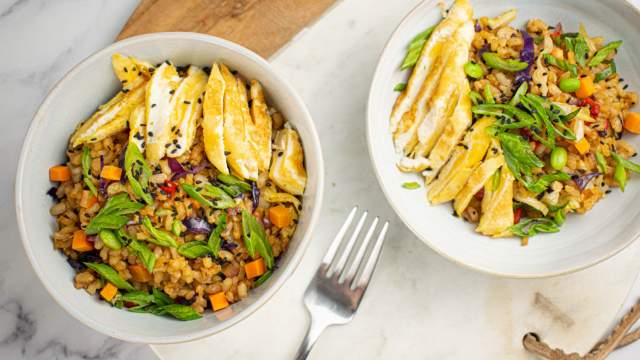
(179, 193)
(516, 127)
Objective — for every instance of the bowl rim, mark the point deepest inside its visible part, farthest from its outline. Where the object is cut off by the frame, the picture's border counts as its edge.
(423, 237)
(312, 145)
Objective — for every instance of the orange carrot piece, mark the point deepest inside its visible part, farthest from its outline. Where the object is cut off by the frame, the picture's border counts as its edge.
(255, 268)
(139, 273)
(111, 172)
(59, 173)
(582, 146)
(586, 88)
(109, 291)
(632, 122)
(80, 242)
(218, 301)
(87, 200)
(280, 216)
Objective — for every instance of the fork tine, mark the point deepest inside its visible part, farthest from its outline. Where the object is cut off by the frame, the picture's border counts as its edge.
(351, 273)
(370, 265)
(333, 248)
(342, 260)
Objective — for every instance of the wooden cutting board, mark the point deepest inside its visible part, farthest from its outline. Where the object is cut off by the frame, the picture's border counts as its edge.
(263, 26)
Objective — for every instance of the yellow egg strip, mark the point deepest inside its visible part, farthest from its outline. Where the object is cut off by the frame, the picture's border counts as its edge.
(287, 165)
(262, 125)
(213, 121)
(497, 206)
(186, 105)
(160, 89)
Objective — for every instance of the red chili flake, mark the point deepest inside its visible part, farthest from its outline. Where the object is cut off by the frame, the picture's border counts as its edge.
(594, 107)
(169, 187)
(557, 31)
(480, 194)
(517, 214)
(526, 133)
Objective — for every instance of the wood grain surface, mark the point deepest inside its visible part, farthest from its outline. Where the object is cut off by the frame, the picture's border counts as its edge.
(263, 26)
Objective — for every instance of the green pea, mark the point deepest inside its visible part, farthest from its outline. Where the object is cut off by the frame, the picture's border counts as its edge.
(569, 85)
(620, 175)
(558, 158)
(493, 60)
(473, 70)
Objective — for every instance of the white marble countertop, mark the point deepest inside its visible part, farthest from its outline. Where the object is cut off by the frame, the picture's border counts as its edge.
(418, 306)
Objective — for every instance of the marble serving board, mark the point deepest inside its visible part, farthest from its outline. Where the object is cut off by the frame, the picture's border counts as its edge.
(418, 306)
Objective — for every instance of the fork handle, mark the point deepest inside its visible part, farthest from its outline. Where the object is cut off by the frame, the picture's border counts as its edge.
(313, 333)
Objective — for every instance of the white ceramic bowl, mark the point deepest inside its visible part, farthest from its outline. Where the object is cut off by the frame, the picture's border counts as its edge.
(72, 100)
(584, 240)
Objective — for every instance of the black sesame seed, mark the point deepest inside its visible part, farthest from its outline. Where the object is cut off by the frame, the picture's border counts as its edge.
(227, 153)
(172, 91)
(124, 91)
(607, 191)
(150, 134)
(167, 62)
(153, 105)
(174, 151)
(187, 102)
(625, 87)
(199, 100)
(124, 81)
(139, 73)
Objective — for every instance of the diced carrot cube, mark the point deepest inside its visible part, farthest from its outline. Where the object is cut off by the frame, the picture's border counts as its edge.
(88, 199)
(632, 122)
(80, 242)
(254, 268)
(586, 88)
(218, 301)
(111, 172)
(139, 273)
(59, 173)
(280, 216)
(582, 146)
(109, 291)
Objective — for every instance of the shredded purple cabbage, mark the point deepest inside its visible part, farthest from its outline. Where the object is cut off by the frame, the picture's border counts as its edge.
(228, 245)
(52, 192)
(197, 225)
(483, 50)
(102, 185)
(477, 27)
(527, 54)
(179, 170)
(255, 195)
(583, 181)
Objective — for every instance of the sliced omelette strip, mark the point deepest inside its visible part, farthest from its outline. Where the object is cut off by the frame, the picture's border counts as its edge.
(160, 89)
(186, 105)
(287, 165)
(480, 176)
(448, 92)
(130, 71)
(460, 12)
(497, 206)
(213, 120)
(241, 155)
(527, 197)
(252, 130)
(137, 127)
(453, 132)
(110, 118)
(405, 137)
(262, 125)
(465, 158)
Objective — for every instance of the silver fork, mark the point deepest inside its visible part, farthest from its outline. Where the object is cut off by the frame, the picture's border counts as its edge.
(334, 294)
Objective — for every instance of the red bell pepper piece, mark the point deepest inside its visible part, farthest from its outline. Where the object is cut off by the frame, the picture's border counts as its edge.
(517, 214)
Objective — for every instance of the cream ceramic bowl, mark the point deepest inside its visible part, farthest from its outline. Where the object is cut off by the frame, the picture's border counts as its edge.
(584, 240)
(72, 100)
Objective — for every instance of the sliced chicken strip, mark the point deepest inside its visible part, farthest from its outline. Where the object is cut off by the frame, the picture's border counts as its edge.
(497, 206)
(213, 121)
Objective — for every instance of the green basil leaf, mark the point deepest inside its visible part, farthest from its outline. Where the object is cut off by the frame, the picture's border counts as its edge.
(543, 182)
(246, 234)
(160, 297)
(561, 64)
(111, 275)
(194, 249)
(138, 173)
(518, 155)
(159, 237)
(215, 240)
(143, 253)
(86, 169)
(601, 55)
(257, 238)
(110, 239)
(180, 312)
(581, 50)
(531, 227)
